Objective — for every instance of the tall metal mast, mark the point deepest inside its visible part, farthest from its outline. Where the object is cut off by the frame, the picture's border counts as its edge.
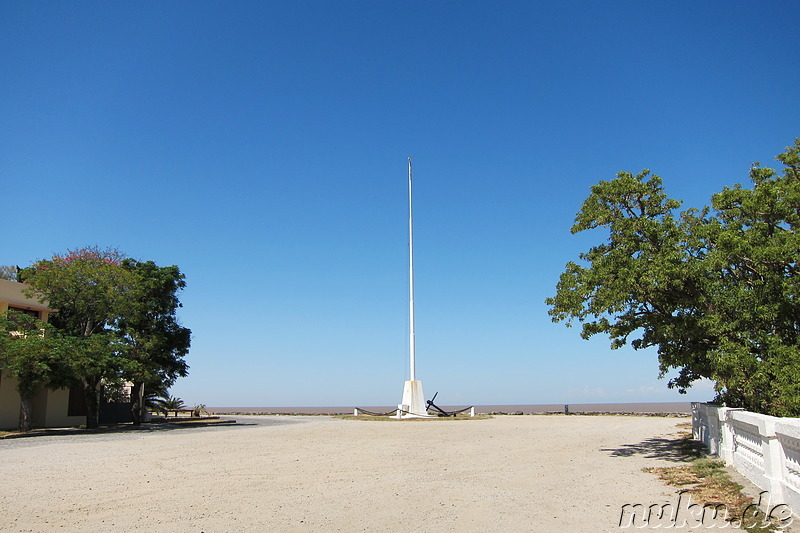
(411, 277)
(413, 404)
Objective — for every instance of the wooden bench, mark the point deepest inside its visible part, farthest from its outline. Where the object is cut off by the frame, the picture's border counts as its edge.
(178, 411)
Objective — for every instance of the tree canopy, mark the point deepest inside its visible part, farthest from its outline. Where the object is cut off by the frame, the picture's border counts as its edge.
(87, 286)
(156, 343)
(118, 318)
(715, 289)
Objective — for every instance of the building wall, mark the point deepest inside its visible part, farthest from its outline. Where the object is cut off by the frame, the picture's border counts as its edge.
(39, 413)
(49, 407)
(9, 402)
(57, 405)
(11, 294)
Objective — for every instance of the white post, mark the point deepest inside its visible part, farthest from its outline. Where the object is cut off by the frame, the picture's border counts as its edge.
(773, 461)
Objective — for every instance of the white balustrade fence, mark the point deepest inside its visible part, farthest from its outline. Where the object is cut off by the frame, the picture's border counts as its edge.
(765, 449)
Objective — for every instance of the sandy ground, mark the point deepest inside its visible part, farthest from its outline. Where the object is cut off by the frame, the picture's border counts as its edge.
(505, 474)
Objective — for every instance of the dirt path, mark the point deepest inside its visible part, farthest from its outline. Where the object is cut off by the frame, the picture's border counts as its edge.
(506, 474)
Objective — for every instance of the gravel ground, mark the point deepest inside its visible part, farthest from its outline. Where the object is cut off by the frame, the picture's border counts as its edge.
(273, 473)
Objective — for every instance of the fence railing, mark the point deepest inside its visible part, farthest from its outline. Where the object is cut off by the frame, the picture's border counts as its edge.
(765, 449)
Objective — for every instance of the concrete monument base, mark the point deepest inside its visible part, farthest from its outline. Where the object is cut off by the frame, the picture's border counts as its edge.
(413, 405)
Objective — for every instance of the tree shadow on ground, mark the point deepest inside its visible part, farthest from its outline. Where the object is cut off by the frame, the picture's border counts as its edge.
(120, 428)
(679, 449)
(152, 427)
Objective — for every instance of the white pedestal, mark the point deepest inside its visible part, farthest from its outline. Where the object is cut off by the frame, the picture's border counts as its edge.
(413, 400)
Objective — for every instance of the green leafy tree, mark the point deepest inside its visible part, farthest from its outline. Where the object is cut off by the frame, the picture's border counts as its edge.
(715, 290)
(88, 288)
(30, 353)
(148, 326)
(120, 316)
(94, 361)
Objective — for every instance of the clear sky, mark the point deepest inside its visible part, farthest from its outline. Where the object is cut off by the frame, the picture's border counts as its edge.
(262, 147)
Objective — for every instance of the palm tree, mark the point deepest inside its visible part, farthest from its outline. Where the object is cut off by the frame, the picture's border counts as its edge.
(154, 395)
(170, 404)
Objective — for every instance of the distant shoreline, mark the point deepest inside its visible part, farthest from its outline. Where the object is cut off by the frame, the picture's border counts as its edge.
(678, 408)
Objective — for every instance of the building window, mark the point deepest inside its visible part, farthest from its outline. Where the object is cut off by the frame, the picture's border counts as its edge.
(77, 401)
(30, 312)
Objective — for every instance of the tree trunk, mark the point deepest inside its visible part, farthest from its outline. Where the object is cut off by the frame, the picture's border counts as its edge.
(137, 403)
(25, 412)
(91, 388)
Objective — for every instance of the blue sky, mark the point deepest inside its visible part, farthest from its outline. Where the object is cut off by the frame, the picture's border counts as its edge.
(262, 147)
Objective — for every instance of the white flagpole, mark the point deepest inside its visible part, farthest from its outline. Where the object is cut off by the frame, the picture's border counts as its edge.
(413, 405)
(411, 277)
